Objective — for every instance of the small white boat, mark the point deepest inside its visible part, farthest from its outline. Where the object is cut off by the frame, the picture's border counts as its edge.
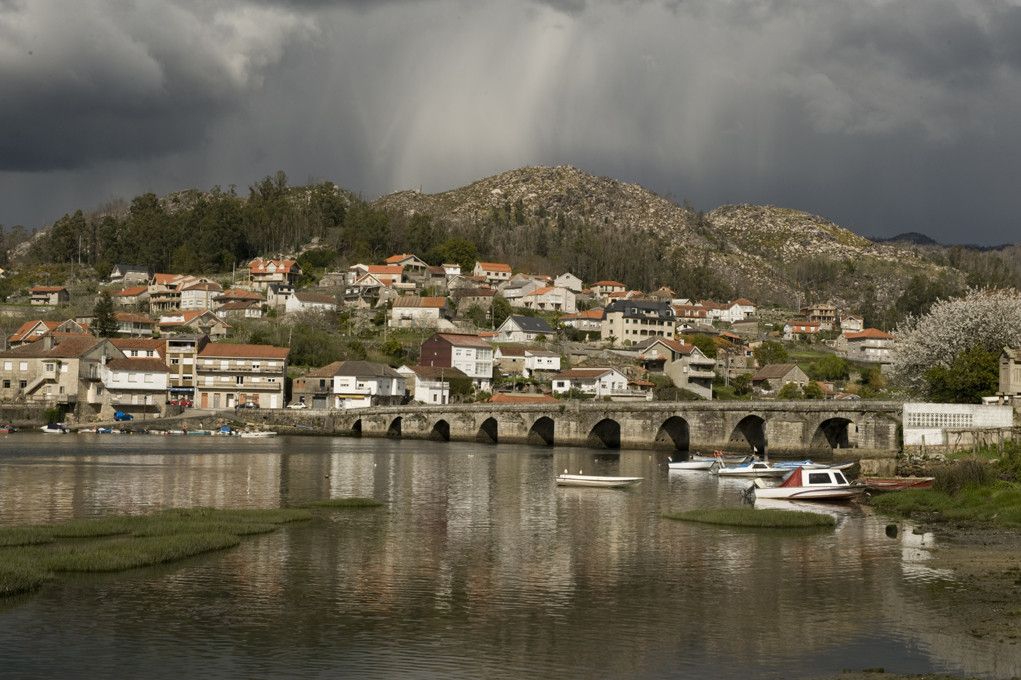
(693, 465)
(719, 455)
(809, 485)
(753, 469)
(54, 428)
(262, 434)
(597, 481)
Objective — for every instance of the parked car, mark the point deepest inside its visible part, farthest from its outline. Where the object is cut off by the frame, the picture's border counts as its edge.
(297, 404)
(187, 403)
(121, 416)
(248, 404)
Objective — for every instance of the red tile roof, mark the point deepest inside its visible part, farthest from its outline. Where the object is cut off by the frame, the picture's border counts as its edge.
(394, 270)
(134, 291)
(421, 302)
(240, 294)
(261, 266)
(583, 373)
(231, 350)
(140, 364)
(25, 334)
(397, 259)
(464, 340)
(139, 344)
(869, 334)
(605, 284)
(47, 289)
(495, 266)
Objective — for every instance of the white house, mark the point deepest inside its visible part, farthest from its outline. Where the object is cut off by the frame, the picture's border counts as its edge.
(523, 329)
(451, 269)
(361, 384)
(513, 291)
(418, 312)
(493, 272)
(430, 384)
(549, 299)
(870, 345)
(570, 282)
(310, 301)
(136, 385)
(200, 295)
(852, 323)
(526, 361)
(599, 382)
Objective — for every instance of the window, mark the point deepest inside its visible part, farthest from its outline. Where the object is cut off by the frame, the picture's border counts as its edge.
(818, 478)
(175, 362)
(8, 365)
(148, 377)
(22, 366)
(22, 384)
(133, 377)
(49, 367)
(840, 478)
(239, 380)
(7, 384)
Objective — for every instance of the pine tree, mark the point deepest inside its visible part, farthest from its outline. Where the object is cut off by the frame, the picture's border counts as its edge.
(104, 324)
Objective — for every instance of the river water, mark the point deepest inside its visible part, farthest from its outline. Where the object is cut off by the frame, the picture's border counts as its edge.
(479, 567)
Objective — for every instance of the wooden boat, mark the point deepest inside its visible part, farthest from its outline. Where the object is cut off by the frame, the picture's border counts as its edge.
(597, 481)
(884, 484)
(809, 485)
(753, 469)
(258, 434)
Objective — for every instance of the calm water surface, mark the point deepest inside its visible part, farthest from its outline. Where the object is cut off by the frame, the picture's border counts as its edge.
(480, 567)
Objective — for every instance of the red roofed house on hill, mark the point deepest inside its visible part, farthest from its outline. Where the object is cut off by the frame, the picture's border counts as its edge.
(870, 346)
(685, 364)
(264, 272)
(229, 375)
(493, 272)
(49, 296)
(30, 331)
(604, 288)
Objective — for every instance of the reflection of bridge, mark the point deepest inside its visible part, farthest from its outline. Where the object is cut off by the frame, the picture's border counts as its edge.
(870, 427)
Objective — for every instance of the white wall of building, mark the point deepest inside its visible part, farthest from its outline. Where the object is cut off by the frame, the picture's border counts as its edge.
(928, 423)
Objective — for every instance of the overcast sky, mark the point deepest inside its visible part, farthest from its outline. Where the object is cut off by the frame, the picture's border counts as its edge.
(883, 115)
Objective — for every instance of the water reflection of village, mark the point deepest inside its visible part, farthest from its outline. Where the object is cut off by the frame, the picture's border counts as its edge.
(481, 562)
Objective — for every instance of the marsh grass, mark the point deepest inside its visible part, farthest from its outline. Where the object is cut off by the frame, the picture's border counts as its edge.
(995, 503)
(128, 553)
(30, 555)
(757, 519)
(18, 536)
(344, 503)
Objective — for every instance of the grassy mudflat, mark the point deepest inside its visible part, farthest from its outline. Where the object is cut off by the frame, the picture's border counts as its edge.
(759, 519)
(31, 555)
(998, 503)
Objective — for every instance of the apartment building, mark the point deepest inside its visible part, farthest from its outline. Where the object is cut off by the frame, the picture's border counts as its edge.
(229, 375)
(633, 321)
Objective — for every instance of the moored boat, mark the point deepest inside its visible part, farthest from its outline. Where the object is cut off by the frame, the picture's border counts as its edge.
(54, 428)
(597, 481)
(884, 484)
(809, 485)
(752, 469)
(705, 465)
(261, 434)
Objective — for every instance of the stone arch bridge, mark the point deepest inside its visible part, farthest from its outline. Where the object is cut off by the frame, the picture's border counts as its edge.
(865, 428)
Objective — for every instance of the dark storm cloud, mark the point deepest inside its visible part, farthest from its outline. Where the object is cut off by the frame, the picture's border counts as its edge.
(885, 116)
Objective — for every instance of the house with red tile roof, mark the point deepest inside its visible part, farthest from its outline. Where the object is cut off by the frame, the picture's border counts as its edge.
(263, 272)
(49, 296)
(30, 331)
(467, 352)
(800, 328)
(194, 321)
(870, 345)
(228, 375)
(550, 299)
(493, 272)
(131, 297)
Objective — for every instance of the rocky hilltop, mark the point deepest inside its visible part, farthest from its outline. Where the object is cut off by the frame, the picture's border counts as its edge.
(766, 252)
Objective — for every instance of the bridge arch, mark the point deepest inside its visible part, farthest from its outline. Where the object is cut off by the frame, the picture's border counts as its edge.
(605, 434)
(356, 428)
(832, 433)
(440, 431)
(674, 433)
(394, 429)
(751, 430)
(488, 431)
(542, 432)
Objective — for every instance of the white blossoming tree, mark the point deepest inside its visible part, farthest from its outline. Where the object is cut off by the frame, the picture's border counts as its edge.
(954, 348)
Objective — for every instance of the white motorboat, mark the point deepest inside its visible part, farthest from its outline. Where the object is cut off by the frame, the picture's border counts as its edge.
(752, 469)
(262, 434)
(809, 485)
(54, 428)
(705, 465)
(720, 456)
(597, 481)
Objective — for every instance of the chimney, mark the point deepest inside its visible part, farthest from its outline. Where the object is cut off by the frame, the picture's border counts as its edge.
(48, 341)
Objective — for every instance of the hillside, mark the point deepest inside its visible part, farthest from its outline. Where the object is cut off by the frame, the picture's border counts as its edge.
(766, 252)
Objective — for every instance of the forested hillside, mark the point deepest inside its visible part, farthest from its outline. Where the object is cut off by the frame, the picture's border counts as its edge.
(538, 219)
